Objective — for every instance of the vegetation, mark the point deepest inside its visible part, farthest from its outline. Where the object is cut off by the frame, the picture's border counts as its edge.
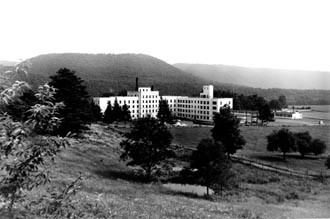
(164, 113)
(265, 114)
(282, 140)
(116, 113)
(318, 146)
(212, 164)
(304, 142)
(226, 130)
(77, 113)
(147, 145)
(24, 152)
(109, 73)
(261, 79)
(287, 141)
(327, 162)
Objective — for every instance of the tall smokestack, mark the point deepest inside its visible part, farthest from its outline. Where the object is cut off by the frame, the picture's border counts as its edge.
(152, 87)
(136, 84)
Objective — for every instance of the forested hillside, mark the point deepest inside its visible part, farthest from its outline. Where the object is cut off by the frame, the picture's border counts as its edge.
(112, 73)
(260, 77)
(109, 73)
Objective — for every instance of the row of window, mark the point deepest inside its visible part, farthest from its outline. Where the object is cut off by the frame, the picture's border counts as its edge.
(193, 111)
(150, 96)
(194, 117)
(196, 107)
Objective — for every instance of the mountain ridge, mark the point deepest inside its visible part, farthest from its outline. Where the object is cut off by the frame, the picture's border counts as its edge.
(266, 78)
(112, 73)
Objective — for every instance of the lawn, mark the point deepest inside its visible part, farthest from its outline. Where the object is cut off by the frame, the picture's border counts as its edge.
(256, 144)
(115, 191)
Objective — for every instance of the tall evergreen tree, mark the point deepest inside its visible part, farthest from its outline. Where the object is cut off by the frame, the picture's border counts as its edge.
(108, 114)
(116, 111)
(71, 91)
(96, 112)
(226, 130)
(164, 113)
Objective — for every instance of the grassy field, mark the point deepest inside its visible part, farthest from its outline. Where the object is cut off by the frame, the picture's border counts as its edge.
(256, 144)
(116, 192)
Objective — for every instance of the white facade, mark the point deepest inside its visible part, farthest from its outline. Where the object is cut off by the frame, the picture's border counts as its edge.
(145, 102)
(197, 108)
(141, 103)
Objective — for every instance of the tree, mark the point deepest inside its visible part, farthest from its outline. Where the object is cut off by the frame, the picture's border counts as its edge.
(282, 140)
(303, 142)
(108, 115)
(19, 106)
(125, 113)
(327, 162)
(147, 145)
(116, 111)
(226, 130)
(212, 164)
(164, 113)
(318, 146)
(265, 114)
(96, 112)
(70, 90)
(282, 100)
(274, 105)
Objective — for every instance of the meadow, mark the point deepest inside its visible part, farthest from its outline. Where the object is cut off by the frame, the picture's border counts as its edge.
(256, 145)
(110, 189)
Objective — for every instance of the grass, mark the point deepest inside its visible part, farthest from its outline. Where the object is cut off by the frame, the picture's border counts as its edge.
(256, 144)
(116, 191)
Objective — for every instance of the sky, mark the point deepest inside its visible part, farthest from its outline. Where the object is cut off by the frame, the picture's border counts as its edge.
(287, 34)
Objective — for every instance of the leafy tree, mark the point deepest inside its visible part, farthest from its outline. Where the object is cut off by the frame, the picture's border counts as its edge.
(318, 146)
(282, 140)
(265, 114)
(226, 130)
(164, 113)
(212, 164)
(282, 100)
(147, 145)
(274, 105)
(303, 142)
(23, 153)
(18, 108)
(70, 90)
(108, 115)
(125, 113)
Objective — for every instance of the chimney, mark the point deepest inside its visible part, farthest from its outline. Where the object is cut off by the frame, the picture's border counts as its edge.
(136, 84)
(152, 87)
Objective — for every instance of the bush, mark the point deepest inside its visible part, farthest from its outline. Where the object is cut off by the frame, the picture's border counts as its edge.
(327, 162)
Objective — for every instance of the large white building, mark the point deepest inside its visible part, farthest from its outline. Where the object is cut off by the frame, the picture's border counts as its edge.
(200, 108)
(144, 101)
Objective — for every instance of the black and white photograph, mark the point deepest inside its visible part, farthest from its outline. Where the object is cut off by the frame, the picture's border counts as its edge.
(164, 109)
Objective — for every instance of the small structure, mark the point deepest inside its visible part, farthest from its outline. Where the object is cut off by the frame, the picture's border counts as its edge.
(296, 115)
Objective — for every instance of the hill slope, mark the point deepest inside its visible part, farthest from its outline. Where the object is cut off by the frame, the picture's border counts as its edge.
(260, 77)
(112, 73)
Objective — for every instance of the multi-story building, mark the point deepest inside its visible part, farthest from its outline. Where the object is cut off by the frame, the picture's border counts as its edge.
(200, 108)
(144, 101)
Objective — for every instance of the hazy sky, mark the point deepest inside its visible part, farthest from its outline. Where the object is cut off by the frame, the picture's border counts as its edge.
(281, 34)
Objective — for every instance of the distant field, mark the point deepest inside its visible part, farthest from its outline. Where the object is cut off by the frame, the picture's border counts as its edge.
(256, 144)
